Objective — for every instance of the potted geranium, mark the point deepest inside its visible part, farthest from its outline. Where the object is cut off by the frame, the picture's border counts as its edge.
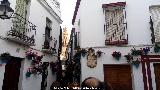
(28, 73)
(136, 52)
(99, 53)
(156, 48)
(83, 52)
(145, 50)
(129, 57)
(136, 63)
(5, 57)
(30, 54)
(116, 55)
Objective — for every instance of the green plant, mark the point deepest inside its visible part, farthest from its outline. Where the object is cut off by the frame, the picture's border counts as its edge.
(156, 48)
(83, 52)
(5, 57)
(128, 57)
(99, 53)
(136, 63)
(6, 54)
(116, 55)
(136, 52)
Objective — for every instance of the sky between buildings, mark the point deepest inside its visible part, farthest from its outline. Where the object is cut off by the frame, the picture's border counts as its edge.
(67, 9)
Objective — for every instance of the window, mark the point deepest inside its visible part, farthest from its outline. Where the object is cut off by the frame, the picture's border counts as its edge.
(155, 23)
(48, 36)
(115, 23)
(21, 9)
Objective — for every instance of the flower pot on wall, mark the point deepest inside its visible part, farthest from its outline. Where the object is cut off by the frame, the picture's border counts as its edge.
(83, 52)
(156, 48)
(135, 52)
(99, 53)
(116, 55)
(129, 57)
(5, 57)
(136, 63)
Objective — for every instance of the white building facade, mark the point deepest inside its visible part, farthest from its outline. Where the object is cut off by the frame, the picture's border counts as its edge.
(119, 26)
(34, 30)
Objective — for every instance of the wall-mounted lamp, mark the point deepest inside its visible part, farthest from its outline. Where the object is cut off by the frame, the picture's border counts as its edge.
(5, 10)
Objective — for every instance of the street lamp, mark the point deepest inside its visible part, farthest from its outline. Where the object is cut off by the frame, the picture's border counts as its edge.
(5, 10)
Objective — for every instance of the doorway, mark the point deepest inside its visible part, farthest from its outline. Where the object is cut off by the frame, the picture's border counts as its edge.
(157, 75)
(118, 76)
(44, 75)
(12, 73)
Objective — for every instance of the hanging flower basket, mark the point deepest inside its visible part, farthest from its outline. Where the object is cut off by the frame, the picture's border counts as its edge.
(116, 55)
(156, 48)
(145, 50)
(28, 74)
(83, 52)
(135, 52)
(136, 63)
(128, 57)
(5, 57)
(30, 55)
(99, 53)
(36, 62)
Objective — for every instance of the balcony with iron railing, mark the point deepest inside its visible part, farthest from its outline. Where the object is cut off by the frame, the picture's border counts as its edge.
(49, 46)
(22, 31)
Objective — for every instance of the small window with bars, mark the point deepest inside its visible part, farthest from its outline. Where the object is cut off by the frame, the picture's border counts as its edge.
(48, 23)
(115, 23)
(48, 36)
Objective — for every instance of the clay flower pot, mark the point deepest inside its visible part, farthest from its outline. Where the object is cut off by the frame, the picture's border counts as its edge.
(116, 55)
(83, 52)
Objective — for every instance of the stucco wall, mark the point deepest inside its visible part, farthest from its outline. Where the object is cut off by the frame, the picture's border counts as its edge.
(92, 21)
(37, 16)
(137, 81)
(92, 34)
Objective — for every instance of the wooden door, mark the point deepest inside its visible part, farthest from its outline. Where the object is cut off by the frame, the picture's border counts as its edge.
(157, 75)
(11, 75)
(118, 77)
(44, 75)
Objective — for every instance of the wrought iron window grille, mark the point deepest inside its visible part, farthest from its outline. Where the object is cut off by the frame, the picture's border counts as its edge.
(49, 48)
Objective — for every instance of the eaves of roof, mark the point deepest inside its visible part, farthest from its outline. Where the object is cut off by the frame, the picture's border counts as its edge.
(76, 10)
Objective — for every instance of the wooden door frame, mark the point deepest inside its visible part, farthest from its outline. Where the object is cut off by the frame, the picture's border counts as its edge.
(120, 65)
(116, 65)
(20, 73)
(146, 70)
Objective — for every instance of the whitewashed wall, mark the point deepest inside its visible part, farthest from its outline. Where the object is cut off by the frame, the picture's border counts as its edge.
(92, 34)
(37, 16)
(92, 21)
(53, 5)
(137, 81)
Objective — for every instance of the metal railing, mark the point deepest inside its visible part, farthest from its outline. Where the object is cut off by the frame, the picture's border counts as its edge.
(49, 46)
(20, 31)
(21, 38)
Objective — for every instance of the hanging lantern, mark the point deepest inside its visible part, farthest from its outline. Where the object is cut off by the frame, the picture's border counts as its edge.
(5, 10)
